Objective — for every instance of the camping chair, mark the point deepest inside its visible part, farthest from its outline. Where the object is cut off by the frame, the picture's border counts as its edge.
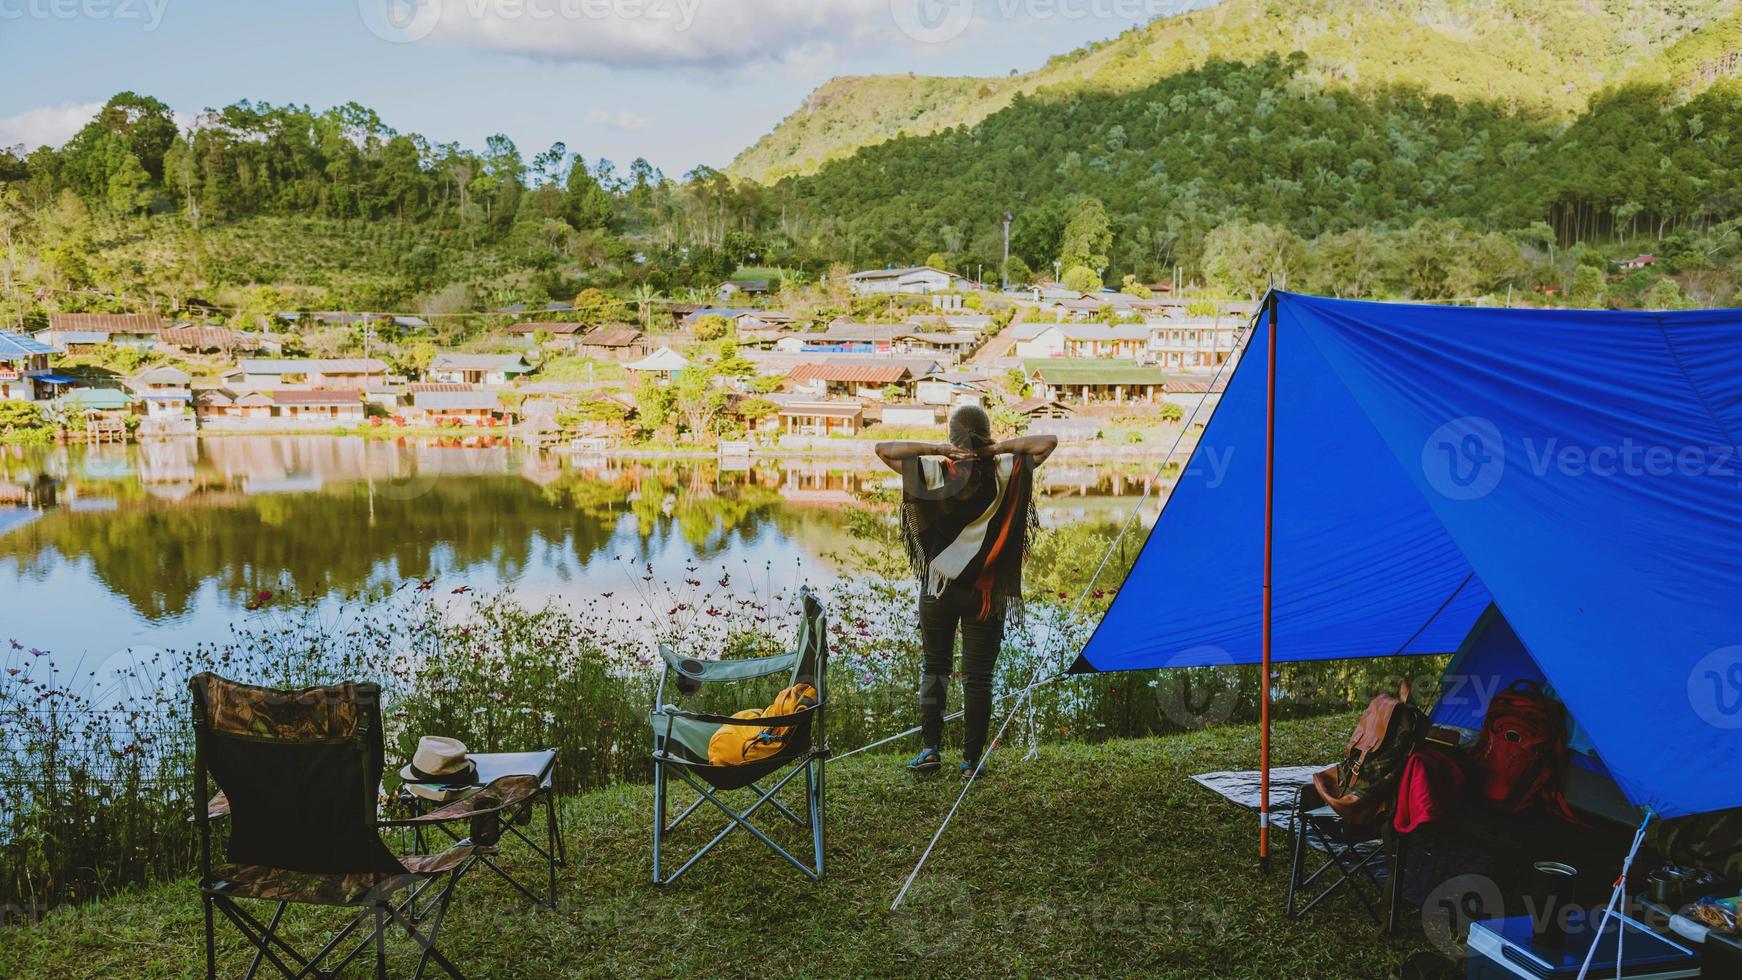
(300, 774)
(680, 745)
(1351, 854)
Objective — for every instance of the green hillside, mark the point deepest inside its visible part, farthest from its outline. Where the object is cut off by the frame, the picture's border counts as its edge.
(1544, 56)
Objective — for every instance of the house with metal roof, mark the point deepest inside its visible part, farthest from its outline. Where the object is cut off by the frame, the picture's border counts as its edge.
(915, 280)
(460, 408)
(1075, 381)
(864, 378)
(71, 331)
(1092, 340)
(308, 373)
(476, 369)
(24, 371)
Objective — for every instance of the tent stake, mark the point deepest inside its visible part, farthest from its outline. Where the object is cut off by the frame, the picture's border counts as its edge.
(1264, 656)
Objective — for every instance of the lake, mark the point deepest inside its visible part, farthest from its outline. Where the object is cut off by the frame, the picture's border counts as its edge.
(106, 550)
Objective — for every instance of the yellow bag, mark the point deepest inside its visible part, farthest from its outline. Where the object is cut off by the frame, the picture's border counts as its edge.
(734, 745)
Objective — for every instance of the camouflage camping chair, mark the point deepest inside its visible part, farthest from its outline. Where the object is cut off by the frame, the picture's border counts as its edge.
(300, 777)
(681, 738)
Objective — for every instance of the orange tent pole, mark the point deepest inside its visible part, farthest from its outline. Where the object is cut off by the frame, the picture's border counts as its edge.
(1264, 656)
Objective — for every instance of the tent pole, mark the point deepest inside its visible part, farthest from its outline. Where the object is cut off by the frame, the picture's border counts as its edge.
(1264, 657)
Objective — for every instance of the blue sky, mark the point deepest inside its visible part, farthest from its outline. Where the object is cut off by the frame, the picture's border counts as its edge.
(681, 82)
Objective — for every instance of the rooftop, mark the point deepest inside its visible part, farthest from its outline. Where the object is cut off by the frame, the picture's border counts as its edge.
(316, 398)
(612, 337)
(106, 322)
(1078, 371)
(313, 365)
(15, 346)
(881, 373)
(512, 363)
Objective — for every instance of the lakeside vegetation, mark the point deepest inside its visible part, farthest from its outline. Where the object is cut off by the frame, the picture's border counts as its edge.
(96, 779)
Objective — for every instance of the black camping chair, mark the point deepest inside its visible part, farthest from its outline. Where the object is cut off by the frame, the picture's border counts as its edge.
(300, 775)
(680, 745)
(1351, 854)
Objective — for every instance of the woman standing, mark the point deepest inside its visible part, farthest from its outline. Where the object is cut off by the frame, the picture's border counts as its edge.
(966, 509)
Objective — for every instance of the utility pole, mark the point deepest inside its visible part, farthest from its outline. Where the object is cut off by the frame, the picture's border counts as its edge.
(1004, 270)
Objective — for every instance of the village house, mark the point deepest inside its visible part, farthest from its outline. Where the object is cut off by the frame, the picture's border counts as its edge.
(476, 369)
(563, 336)
(307, 373)
(975, 323)
(186, 339)
(460, 408)
(70, 332)
(1081, 382)
(952, 389)
(1192, 345)
(1089, 340)
(915, 280)
(822, 417)
(887, 338)
(24, 372)
(663, 362)
(335, 407)
(730, 289)
(612, 344)
(166, 392)
(868, 379)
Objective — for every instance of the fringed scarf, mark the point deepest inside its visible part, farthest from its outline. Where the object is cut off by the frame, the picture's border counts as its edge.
(966, 526)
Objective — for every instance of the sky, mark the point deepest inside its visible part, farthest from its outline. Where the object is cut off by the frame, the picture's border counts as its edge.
(680, 82)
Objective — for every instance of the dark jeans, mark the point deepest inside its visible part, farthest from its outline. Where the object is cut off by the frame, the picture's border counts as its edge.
(981, 641)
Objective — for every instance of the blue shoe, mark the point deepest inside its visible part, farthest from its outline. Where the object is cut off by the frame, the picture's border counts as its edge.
(969, 769)
(927, 760)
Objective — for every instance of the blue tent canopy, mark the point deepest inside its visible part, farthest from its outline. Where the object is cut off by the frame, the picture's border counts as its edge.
(1577, 470)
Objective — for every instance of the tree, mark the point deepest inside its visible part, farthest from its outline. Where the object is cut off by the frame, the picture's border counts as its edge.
(697, 400)
(711, 327)
(939, 261)
(1665, 294)
(653, 406)
(1087, 238)
(732, 364)
(1082, 279)
(1248, 257)
(1135, 288)
(1588, 288)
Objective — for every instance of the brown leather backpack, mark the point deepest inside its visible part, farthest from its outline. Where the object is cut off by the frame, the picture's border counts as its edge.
(1363, 787)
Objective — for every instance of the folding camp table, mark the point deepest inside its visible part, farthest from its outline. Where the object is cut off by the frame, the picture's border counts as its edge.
(540, 763)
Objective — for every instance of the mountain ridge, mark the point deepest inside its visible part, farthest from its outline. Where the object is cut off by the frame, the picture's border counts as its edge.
(1545, 57)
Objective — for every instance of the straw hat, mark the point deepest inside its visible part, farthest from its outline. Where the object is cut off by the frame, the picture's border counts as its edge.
(440, 768)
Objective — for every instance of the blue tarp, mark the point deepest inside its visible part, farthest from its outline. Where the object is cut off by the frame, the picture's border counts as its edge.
(1578, 470)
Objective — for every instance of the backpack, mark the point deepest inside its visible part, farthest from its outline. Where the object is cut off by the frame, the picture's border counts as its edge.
(1363, 787)
(1522, 752)
(734, 745)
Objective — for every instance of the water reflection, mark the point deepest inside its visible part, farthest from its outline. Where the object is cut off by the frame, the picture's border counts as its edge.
(166, 541)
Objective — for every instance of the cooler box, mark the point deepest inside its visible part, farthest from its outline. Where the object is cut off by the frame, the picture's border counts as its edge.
(1502, 949)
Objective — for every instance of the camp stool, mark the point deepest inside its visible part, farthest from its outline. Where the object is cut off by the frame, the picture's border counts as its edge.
(1351, 853)
(300, 775)
(680, 746)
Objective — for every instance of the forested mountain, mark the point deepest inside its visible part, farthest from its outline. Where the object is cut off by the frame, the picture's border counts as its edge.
(1540, 56)
(1274, 143)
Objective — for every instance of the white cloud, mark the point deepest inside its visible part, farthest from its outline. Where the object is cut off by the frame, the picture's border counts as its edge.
(672, 33)
(623, 119)
(46, 125)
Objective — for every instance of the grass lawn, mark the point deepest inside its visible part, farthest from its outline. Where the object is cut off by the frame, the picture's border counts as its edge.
(1092, 860)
